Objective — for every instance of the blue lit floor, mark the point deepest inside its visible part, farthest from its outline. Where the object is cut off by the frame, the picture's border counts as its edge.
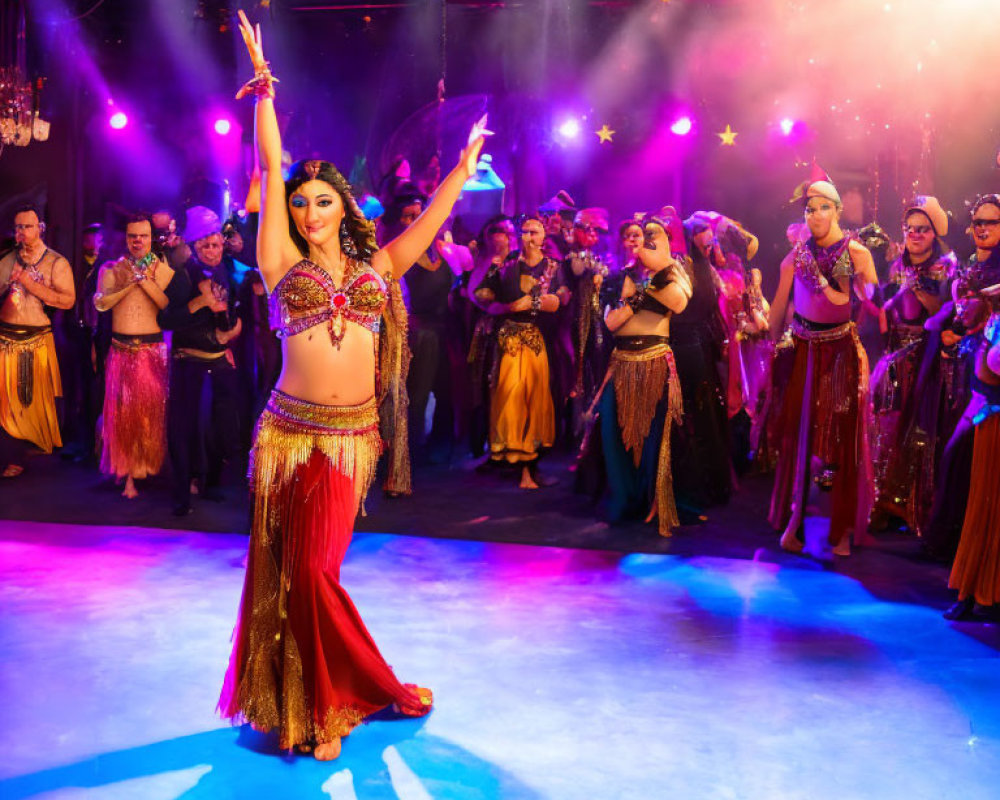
(557, 673)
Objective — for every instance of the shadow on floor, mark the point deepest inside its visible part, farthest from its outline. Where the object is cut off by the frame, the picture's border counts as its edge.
(380, 760)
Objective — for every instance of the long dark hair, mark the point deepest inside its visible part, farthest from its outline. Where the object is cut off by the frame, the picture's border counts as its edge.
(360, 230)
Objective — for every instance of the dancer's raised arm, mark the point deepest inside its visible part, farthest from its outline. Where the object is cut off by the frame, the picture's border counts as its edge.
(403, 251)
(275, 250)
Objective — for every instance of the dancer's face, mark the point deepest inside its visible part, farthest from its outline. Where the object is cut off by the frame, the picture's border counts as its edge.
(532, 235)
(919, 235)
(703, 241)
(499, 235)
(632, 240)
(553, 224)
(585, 236)
(821, 215)
(92, 243)
(409, 215)
(316, 210)
(209, 250)
(139, 238)
(986, 226)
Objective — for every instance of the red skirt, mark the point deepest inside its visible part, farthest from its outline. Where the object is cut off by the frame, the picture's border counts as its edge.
(823, 418)
(134, 431)
(302, 660)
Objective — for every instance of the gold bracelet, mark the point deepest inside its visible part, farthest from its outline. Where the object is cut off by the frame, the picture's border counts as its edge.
(261, 85)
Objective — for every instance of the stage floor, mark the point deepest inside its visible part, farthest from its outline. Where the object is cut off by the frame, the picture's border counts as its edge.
(558, 673)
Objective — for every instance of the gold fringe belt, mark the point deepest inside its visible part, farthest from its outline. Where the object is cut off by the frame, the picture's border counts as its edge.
(640, 378)
(803, 331)
(288, 432)
(514, 335)
(21, 342)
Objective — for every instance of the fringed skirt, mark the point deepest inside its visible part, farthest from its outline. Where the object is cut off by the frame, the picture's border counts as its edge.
(976, 571)
(134, 431)
(302, 660)
(29, 372)
(823, 429)
(522, 415)
(628, 442)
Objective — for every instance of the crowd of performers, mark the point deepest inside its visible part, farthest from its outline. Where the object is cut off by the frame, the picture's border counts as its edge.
(655, 359)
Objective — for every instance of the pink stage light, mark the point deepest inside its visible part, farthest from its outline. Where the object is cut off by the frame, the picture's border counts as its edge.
(570, 129)
(118, 120)
(223, 126)
(787, 124)
(682, 126)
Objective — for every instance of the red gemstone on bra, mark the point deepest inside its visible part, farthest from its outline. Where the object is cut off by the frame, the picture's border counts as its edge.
(339, 300)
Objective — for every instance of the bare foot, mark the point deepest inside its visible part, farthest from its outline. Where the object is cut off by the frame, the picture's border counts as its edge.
(327, 751)
(130, 491)
(652, 512)
(843, 547)
(13, 470)
(527, 482)
(789, 540)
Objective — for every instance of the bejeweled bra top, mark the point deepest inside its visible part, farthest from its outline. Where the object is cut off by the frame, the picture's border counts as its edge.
(306, 296)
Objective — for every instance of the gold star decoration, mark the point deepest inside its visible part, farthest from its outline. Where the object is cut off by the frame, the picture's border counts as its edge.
(605, 133)
(728, 136)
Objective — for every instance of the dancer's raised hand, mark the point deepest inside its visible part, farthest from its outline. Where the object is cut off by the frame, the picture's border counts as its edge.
(470, 155)
(263, 82)
(254, 42)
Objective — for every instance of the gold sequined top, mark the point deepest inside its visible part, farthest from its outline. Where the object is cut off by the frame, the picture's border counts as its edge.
(307, 296)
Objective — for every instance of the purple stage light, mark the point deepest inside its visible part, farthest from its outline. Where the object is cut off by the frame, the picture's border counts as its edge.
(570, 129)
(787, 124)
(118, 120)
(682, 126)
(223, 126)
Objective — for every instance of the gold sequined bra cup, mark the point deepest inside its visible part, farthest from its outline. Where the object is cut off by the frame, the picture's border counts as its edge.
(307, 296)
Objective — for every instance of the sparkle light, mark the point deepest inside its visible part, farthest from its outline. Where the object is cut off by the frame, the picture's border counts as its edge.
(118, 120)
(787, 124)
(682, 126)
(222, 126)
(570, 129)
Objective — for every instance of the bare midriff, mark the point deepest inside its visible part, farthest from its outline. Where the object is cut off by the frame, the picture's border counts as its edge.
(909, 306)
(317, 371)
(645, 323)
(816, 308)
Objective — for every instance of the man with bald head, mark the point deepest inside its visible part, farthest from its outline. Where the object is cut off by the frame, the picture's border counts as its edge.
(822, 420)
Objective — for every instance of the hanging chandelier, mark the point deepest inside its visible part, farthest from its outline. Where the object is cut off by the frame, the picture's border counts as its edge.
(19, 120)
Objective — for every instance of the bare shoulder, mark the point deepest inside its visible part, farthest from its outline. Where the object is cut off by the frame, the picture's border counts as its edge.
(858, 250)
(58, 261)
(381, 263)
(788, 262)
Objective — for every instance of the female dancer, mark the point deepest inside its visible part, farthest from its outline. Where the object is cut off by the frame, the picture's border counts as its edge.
(302, 659)
(628, 449)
